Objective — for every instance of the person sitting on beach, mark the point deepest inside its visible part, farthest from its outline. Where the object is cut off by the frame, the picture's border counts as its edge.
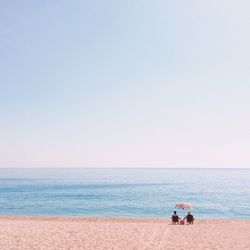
(190, 218)
(175, 218)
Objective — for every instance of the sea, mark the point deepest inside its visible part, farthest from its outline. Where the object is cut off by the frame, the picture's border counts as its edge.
(112, 192)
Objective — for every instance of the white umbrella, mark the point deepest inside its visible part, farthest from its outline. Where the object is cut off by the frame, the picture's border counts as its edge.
(184, 205)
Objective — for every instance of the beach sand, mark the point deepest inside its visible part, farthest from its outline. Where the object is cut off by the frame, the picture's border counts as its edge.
(101, 233)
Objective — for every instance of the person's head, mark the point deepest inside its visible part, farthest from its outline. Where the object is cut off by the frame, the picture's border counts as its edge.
(174, 212)
(188, 213)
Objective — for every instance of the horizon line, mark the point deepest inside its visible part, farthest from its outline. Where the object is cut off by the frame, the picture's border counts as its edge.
(63, 167)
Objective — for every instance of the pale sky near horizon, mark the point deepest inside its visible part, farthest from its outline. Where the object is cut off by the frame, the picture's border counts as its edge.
(160, 83)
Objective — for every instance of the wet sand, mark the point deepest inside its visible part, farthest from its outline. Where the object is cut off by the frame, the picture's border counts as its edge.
(110, 233)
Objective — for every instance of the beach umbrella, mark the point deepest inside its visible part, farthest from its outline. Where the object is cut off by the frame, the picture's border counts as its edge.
(184, 205)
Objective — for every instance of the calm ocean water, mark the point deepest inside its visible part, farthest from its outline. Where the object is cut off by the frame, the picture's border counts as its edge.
(214, 193)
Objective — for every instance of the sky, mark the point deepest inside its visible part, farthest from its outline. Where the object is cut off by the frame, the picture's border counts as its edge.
(159, 83)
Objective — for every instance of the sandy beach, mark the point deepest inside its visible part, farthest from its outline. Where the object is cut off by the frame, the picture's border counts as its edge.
(101, 233)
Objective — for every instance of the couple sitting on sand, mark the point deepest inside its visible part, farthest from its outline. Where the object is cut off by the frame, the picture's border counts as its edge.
(176, 220)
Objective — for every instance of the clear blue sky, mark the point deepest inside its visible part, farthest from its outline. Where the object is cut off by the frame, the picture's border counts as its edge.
(160, 83)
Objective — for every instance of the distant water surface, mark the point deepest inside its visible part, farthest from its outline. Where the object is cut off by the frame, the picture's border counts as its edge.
(214, 193)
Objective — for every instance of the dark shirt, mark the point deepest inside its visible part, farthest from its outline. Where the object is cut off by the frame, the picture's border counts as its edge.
(175, 218)
(190, 218)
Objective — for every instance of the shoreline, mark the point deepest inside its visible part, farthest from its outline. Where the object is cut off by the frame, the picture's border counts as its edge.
(110, 219)
(77, 232)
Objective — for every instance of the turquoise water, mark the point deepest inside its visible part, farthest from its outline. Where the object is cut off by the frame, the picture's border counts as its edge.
(214, 193)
